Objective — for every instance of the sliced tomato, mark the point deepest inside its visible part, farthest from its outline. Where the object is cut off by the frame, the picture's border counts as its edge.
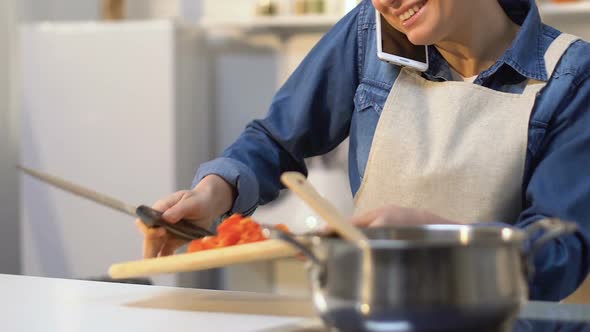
(209, 242)
(195, 245)
(254, 226)
(252, 236)
(232, 224)
(228, 239)
(234, 230)
(283, 228)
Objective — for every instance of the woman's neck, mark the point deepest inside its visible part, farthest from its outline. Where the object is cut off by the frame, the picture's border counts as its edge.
(480, 41)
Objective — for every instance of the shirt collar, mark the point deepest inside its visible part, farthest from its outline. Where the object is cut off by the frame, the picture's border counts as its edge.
(526, 55)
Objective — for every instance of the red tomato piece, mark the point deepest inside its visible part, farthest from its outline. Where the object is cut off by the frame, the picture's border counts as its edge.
(195, 245)
(232, 224)
(229, 239)
(234, 230)
(209, 242)
(283, 228)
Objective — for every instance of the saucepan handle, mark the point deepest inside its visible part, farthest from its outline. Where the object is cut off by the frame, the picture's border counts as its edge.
(553, 228)
(279, 234)
(316, 267)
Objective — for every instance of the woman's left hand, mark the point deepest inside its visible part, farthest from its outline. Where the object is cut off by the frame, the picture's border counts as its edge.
(392, 215)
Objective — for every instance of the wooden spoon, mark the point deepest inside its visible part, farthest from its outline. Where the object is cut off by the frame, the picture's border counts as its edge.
(303, 188)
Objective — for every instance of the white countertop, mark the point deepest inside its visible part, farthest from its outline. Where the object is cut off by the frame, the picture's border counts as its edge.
(40, 304)
(36, 304)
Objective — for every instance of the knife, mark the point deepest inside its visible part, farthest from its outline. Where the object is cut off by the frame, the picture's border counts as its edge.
(184, 229)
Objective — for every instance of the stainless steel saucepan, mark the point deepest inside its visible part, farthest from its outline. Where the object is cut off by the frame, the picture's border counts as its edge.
(418, 278)
(424, 278)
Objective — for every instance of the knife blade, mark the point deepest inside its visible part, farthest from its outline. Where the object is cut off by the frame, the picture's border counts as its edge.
(184, 229)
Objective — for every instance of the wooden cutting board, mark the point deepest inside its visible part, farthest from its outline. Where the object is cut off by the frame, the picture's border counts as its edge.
(203, 260)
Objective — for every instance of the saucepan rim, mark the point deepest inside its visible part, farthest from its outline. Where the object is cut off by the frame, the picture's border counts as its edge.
(528, 240)
(425, 236)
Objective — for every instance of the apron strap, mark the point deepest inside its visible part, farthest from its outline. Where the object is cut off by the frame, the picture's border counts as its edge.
(552, 57)
(556, 51)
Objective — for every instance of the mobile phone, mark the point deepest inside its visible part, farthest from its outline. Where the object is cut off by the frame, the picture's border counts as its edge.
(394, 47)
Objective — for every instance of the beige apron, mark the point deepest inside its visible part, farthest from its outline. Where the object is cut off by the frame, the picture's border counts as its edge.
(453, 148)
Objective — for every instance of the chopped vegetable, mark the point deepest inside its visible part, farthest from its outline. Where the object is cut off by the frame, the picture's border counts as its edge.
(233, 231)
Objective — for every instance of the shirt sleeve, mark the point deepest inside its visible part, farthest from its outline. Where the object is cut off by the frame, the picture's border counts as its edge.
(560, 188)
(310, 115)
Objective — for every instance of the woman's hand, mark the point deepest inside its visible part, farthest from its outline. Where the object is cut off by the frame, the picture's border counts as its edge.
(392, 215)
(212, 197)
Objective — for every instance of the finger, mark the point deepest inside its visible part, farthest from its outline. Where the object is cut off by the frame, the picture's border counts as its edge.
(365, 219)
(151, 247)
(141, 226)
(379, 222)
(171, 245)
(150, 233)
(153, 240)
(184, 207)
(168, 202)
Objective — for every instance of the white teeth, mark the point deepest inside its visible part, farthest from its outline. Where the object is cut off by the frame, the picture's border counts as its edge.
(411, 12)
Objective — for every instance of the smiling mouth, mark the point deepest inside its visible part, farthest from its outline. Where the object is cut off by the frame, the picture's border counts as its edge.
(412, 11)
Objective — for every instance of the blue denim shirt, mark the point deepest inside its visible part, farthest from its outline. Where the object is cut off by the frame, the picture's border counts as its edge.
(339, 91)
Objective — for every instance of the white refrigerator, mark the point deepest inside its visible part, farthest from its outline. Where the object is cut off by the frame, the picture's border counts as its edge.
(119, 107)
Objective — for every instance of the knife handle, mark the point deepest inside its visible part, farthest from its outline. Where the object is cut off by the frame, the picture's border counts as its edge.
(184, 229)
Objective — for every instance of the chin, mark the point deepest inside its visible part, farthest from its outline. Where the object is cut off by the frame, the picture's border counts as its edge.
(421, 38)
(427, 32)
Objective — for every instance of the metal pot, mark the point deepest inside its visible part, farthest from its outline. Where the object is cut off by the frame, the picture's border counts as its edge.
(424, 278)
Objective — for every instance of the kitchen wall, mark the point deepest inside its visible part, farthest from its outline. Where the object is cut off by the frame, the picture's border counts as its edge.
(267, 58)
(578, 25)
(9, 234)
(52, 10)
(76, 10)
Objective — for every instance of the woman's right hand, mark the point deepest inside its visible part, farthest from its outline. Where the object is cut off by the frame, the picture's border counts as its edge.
(211, 198)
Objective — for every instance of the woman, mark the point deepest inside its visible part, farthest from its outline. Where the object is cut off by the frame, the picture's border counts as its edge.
(495, 131)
